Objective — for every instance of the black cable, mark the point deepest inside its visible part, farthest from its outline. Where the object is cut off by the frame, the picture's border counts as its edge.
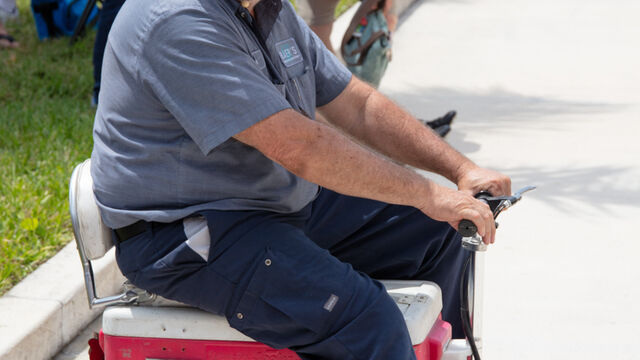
(464, 308)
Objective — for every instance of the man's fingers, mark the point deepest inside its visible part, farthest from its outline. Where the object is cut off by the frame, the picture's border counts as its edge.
(486, 180)
(491, 225)
(461, 204)
(487, 216)
(482, 217)
(501, 186)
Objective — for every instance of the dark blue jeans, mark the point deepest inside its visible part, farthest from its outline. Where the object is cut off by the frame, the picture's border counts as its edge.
(305, 280)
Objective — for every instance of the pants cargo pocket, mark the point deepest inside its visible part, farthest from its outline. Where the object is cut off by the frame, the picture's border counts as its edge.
(176, 275)
(292, 300)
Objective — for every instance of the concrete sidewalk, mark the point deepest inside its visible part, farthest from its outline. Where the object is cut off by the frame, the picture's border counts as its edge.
(547, 92)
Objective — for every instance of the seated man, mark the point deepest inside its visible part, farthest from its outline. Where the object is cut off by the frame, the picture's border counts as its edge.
(225, 194)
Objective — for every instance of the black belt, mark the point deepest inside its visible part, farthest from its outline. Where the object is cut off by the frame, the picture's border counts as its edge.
(125, 233)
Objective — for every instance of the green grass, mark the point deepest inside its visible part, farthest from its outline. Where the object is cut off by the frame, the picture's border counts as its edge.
(344, 5)
(45, 129)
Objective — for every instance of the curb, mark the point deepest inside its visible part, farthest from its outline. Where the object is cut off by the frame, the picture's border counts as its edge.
(48, 309)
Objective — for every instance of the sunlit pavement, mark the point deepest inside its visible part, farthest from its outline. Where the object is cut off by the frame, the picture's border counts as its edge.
(547, 92)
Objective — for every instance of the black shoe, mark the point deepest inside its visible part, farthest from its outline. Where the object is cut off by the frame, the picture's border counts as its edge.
(441, 125)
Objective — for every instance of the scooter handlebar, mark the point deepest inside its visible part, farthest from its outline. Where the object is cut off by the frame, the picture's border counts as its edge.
(497, 204)
(467, 228)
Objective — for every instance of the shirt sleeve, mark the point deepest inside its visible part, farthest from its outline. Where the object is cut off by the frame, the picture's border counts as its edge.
(331, 76)
(197, 68)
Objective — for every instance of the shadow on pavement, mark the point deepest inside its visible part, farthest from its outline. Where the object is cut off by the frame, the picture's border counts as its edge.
(502, 112)
(599, 187)
(493, 110)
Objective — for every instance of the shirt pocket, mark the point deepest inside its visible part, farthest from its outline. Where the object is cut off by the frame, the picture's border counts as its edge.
(258, 59)
(302, 93)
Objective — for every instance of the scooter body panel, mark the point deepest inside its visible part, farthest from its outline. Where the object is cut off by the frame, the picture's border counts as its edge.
(135, 348)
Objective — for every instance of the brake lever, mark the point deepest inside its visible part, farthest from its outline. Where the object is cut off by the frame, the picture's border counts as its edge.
(518, 194)
(471, 240)
(497, 204)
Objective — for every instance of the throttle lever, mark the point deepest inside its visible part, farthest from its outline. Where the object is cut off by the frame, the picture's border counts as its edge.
(468, 230)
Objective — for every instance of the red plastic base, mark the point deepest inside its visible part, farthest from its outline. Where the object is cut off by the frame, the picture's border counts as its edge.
(438, 338)
(136, 348)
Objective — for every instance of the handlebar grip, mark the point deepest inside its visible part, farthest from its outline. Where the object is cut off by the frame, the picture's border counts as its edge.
(467, 228)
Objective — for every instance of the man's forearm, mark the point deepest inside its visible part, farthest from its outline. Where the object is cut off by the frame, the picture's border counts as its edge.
(382, 125)
(323, 155)
(395, 133)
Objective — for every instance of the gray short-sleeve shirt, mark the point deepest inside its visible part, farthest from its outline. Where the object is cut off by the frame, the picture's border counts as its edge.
(180, 78)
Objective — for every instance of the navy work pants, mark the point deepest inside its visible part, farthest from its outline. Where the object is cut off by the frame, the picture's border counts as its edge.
(304, 280)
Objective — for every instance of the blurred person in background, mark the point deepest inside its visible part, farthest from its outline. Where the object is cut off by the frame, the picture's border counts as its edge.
(106, 16)
(8, 10)
(320, 15)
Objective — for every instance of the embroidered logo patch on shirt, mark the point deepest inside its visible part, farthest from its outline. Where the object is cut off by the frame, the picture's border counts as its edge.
(289, 52)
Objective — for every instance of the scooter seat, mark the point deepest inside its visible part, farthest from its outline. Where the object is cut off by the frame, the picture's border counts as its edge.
(419, 301)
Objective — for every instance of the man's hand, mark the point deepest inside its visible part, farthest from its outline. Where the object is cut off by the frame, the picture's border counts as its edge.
(473, 179)
(453, 206)
(377, 122)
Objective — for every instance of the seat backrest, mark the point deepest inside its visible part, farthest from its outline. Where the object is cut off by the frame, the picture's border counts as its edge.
(94, 239)
(92, 235)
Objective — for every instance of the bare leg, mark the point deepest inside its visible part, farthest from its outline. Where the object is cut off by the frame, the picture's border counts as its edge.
(324, 33)
(390, 15)
(6, 41)
(8, 10)
(392, 21)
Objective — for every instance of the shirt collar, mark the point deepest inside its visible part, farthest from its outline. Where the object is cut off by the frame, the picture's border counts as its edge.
(266, 14)
(266, 11)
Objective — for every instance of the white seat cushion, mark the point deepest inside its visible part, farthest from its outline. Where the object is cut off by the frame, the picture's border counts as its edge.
(419, 301)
